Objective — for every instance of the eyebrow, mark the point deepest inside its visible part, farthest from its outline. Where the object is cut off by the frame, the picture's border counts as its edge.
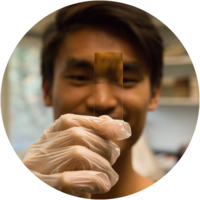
(132, 66)
(79, 63)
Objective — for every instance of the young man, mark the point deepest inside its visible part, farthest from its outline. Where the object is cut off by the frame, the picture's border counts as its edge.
(78, 153)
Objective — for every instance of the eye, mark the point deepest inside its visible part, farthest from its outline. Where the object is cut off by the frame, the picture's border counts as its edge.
(79, 78)
(128, 80)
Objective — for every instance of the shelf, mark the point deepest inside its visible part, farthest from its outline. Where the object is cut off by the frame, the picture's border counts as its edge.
(178, 101)
(177, 60)
(180, 66)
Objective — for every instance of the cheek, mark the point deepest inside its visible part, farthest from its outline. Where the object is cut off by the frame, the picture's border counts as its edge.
(136, 101)
(138, 97)
(68, 99)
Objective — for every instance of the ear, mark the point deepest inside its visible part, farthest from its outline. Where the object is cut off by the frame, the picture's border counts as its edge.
(47, 93)
(153, 102)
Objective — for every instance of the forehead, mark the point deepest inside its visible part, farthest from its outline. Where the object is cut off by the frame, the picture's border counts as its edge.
(85, 42)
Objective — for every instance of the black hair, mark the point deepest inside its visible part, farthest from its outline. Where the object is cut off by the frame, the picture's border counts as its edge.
(134, 23)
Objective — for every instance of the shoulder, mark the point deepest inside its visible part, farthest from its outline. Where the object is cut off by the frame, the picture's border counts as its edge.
(142, 183)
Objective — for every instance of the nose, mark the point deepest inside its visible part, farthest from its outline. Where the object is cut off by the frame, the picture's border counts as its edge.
(103, 101)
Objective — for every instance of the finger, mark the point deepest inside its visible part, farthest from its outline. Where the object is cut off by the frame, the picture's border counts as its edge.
(107, 128)
(85, 195)
(70, 159)
(78, 183)
(82, 137)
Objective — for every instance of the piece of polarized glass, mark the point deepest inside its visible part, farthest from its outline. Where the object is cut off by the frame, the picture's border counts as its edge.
(108, 84)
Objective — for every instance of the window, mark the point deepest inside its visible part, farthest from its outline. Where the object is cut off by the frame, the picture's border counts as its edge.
(28, 117)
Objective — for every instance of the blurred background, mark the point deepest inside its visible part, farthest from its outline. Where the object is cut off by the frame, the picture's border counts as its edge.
(168, 130)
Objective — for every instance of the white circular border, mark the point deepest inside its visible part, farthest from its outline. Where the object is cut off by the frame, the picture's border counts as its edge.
(17, 17)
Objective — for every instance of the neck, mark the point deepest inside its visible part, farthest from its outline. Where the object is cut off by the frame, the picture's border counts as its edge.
(123, 167)
(129, 181)
(127, 175)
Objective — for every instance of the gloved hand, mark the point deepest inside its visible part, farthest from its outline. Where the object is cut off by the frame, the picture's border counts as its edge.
(75, 154)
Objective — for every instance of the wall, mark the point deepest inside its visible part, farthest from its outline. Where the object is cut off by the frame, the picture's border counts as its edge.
(169, 127)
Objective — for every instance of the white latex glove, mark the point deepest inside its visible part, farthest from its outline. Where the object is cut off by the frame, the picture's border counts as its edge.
(75, 154)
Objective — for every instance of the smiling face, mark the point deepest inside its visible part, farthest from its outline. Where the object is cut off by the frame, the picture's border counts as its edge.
(73, 86)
